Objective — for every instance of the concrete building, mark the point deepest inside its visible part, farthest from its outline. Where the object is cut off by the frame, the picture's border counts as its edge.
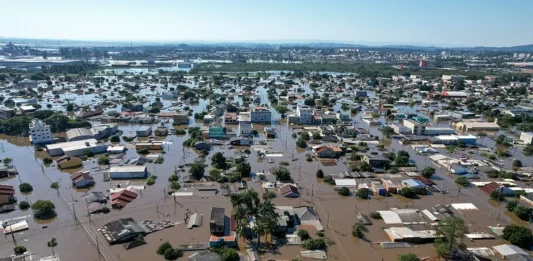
(415, 127)
(7, 194)
(217, 221)
(261, 115)
(40, 132)
(7, 113)
(216, 132)
(102, 131)
(435, 131)
(245, 125)
(527, 137)
(128, 172)
(304, 114)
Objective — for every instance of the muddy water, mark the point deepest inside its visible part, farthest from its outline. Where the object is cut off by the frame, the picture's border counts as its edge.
(153, 203)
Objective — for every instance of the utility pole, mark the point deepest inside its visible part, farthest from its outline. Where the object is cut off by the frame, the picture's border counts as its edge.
(97, 247)
(327, 224)
(12, 235)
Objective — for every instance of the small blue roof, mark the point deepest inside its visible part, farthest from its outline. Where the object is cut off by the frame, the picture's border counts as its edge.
(413, 183)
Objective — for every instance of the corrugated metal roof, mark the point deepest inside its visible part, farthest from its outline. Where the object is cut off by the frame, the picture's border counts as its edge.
(195, 220)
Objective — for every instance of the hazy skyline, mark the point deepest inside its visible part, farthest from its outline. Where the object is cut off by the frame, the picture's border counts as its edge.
(443, 23)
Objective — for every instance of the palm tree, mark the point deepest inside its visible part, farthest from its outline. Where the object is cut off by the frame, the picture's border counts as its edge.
(52, 243)
(259, 229)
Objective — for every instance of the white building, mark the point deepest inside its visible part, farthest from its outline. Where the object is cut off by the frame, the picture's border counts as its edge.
(305, 114)
(40, 132)
(526, 137)
(76, 148)
(261, 115)
(415, 127)
(245, 125)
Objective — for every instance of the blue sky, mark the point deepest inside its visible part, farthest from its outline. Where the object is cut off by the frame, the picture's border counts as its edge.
(437, 22)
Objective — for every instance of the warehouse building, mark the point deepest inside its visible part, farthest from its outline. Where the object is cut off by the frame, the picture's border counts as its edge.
(76, 148)
(128, 172)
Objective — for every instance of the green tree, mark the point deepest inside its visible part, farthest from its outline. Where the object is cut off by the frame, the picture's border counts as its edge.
(358, 229)
(197, 170)
(517, 164)
(518, 235)
(309, 102)
(70, 107)
(407, 192)
(268, 195)
(163, 247)
(314, 244)
(243, 169)
(23, 205)
(227, 254)
(428, 172)
(320, 174)
(497, 195)
(174, 185)
(25, 187)
(387, 131)
(305, 136)
(172, 254)
(450, 234)
(103, 161)
(408, 257)
(43, 209)
(19, 250)
(463, 181)
(317, 136)
(114, 138)
(344, 191)
(52, 243)
(282, 174)
(215, 174)
(451, 149)
(218, 161)
(363, 193)
(301, 143)
(7, 161)
(402, 161)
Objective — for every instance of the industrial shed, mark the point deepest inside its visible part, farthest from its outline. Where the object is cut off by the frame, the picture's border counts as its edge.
(128, 172)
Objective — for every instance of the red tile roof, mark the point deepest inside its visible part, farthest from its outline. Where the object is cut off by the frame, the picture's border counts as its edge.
(288, 189)
(124, 195)
(7, 190)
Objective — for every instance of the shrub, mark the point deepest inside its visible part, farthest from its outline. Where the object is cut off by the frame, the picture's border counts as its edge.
(363, 193)
(106, 210)
(103, 161)
(314, 244)
(150, 180)
(375, 215)
(47, 161)
(114, 138)
(43, 209)
(320, 233)
(54, 185)
(407, 192)
(23, 205)
(428, 172)
(25, 187)
(408, 257)
(357, 229)
(497, 195)
(463, 181)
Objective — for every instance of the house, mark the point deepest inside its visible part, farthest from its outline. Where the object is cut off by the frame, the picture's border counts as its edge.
(418, 186)
(379, 189)
(102, 131)
(527, 199)
(144, 131)
(346, 183)
(512, 252)
(7, 194)
(289, 191)
(117, 149)
(7, 113)
(406, 234)
(89, 114)
(40, 132)
(200, 145)
(68, 162)
(223, 241)
(230, 118)
(97, 197)
(270, 133)
(476, 126)
(154, 145)
(375, 161)
(161, 131)
(135, 106)
(527, 137)
(457, 169)
(123, 230)
(82, 179)
(217, 222)
(180, 119)
(128, 172)
(122, 198)
(493, 186)
(245, 125)
(327, 151)
(79, 134)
